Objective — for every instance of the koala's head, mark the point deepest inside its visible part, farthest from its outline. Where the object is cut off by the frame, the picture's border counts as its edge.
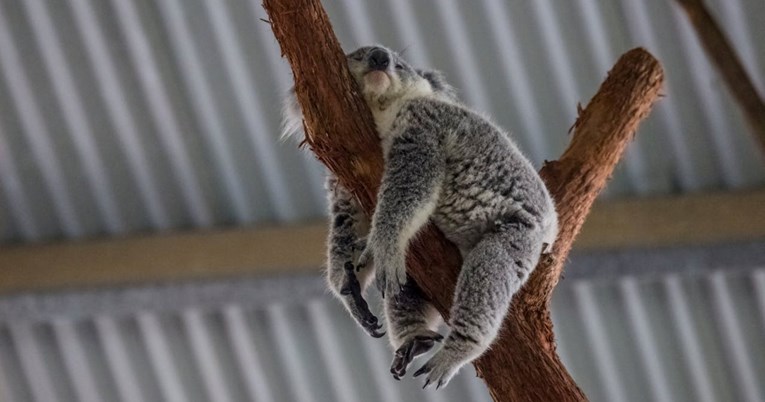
(384, 76)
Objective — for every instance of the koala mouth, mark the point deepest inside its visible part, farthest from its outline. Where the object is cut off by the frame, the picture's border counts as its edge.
(377, 81)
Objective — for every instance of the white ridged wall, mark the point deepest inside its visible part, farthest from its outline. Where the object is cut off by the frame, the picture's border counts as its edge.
(130, 116)
(125, 116)
(694, 336)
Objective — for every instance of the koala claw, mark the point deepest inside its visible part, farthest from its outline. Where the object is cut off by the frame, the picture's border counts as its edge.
(370, 325)
(390, 279)
(439, 369)
(365, 258)
(410, 349)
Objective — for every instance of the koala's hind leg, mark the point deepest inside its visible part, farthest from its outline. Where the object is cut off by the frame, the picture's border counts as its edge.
(349, 285)
(412, 322)
(492, 273)
(345, 281)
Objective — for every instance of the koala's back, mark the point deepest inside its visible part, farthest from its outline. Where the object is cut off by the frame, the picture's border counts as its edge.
(487, 179)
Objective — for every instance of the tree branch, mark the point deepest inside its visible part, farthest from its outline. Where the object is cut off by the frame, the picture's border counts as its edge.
(722, 54)
(601, 134)
(522, 365)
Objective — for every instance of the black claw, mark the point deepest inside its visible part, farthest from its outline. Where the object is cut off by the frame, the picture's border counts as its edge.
(436, 338)
(427, 382)
(372, 326)
(348, 266)
(402, 358)
(424, 369)
(440, 383)
(414, 347)
(363, 315)
(424, 343)
(371, 321)
(404, 350)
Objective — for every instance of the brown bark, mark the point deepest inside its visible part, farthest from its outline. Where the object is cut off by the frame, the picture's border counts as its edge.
(601, 134)
(720, 50)
(522, 365)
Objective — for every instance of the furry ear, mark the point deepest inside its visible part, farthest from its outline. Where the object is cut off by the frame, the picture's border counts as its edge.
(437, 81)
(292, 117)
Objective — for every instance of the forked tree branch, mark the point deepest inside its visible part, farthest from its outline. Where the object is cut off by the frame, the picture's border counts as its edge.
(522, 365)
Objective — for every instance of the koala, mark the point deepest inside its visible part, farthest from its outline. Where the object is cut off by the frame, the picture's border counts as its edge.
(449, 165)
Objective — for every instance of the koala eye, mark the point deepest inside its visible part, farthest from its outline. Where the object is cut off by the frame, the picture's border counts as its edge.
(399, 67)
(357, 57)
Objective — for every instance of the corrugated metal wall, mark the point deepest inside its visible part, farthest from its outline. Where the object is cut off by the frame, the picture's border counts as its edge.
(125, 116)
(693, 336)
(128, 116)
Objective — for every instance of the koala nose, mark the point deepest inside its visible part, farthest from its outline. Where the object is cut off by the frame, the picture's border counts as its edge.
(379, 59)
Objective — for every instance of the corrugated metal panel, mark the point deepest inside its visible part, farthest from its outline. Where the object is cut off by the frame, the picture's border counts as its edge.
(135, 115)
(682, 336)
(673, 338)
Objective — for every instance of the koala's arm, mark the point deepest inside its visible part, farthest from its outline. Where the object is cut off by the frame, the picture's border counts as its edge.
(414, 171)
(346, 228)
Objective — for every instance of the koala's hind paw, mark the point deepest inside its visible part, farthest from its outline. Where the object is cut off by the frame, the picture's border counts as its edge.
(359, 308)
(411, 348)
(440, 369)
(369, 322)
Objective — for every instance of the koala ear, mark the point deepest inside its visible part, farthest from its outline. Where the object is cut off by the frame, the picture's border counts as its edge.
(437, 80)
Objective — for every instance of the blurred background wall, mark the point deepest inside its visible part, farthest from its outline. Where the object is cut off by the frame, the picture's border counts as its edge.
(158, 243)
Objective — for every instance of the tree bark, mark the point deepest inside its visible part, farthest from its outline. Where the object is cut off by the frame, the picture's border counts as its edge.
(522, 365)
(728, 64)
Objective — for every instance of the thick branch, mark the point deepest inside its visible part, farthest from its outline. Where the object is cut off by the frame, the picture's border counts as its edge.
(729, 65)
(601, 135)
(339, 125)
(522, 366)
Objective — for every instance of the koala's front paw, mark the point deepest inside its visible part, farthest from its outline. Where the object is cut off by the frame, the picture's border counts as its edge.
(390, 275)
(440, 369)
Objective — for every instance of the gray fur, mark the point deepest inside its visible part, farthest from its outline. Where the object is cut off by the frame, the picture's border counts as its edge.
(449, 165)
(345, 240)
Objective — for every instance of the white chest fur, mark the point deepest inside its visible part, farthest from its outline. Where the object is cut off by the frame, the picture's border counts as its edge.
(386, 113)
(384, 118)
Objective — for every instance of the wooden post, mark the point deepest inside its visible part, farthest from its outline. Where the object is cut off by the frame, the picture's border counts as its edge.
(522, 365)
